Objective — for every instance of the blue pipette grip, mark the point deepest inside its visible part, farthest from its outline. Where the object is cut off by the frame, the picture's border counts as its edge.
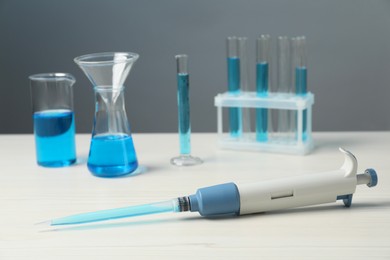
(223, 199)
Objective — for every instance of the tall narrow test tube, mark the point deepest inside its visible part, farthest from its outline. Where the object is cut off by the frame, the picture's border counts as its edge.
(244, 80)
(233, 71)
(300, 74)
(284, 122)
(263, 56)
(183, 103)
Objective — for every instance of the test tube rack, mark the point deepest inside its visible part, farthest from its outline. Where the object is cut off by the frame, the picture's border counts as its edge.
(284, 101)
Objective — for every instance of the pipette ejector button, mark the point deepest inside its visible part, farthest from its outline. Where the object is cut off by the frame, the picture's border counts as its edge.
(373, 177)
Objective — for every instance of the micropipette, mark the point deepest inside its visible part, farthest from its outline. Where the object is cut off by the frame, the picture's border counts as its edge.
(232, 199)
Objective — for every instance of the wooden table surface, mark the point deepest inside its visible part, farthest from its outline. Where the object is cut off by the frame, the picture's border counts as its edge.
(31, 194)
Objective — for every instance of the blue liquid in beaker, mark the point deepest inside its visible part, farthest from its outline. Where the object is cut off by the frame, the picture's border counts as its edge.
(112, 155)
(235, 114)
(55, 137)
(301, 89)
(184, 113)
(262, 91)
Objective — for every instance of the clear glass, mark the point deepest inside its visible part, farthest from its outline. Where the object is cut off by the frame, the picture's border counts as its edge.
(53, 116)
(244, 81)
(285, 118)
(112, 151)
(263, 48)
(183, 103)
(263, 56)
(232, 47)
(284, 65)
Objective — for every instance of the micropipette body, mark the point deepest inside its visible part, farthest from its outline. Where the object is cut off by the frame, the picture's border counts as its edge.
(240, 199)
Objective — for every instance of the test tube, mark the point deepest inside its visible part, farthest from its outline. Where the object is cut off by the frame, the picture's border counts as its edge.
(284, 123)
(233, 71)
(185, 158)
(300, 74)
(244, 80)
(263, 55)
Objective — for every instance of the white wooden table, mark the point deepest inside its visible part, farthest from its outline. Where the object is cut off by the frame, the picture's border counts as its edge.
(31, 194)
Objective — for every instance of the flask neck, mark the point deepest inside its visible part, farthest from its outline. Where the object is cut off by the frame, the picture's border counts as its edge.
(108, 97)
(110, 113)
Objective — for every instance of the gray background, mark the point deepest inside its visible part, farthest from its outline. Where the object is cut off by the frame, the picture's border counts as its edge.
(348, 44)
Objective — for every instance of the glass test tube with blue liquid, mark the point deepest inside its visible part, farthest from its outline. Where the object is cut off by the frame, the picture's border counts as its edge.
(184, 120)
(112, 152)
(300, 74)
(233, 72)
(263, 55)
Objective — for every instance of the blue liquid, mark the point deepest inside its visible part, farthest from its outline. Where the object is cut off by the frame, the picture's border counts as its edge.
(301, 89)
(55, 137)
(235, 114)
(112, 155)
(184, 113)
(262, 113)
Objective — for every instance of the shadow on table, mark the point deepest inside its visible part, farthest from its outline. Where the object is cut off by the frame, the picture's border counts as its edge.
(85, 227)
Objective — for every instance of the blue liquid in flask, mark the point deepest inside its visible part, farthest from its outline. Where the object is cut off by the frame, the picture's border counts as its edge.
(184, 113)
(262, 91)
(112, 155)
(55, 137)
(301, 89)
(235, 114)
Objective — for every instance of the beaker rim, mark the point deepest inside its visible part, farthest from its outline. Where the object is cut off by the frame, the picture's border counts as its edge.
(53, 76)
(106, 58)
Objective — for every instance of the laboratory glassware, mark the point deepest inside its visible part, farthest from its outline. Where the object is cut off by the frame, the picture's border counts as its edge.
(285, 118)
(184, 119)
(233, 72)
(300, 74)
(112, 151)
(244, 82)
(263, 57)
(273, 102)
(54, 120)
(232, 199)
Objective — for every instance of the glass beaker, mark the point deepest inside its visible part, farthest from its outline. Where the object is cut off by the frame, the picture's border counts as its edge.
(54, 123)
(112, 150)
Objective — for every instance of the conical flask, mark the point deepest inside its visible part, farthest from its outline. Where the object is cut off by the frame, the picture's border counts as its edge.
(112, 150)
